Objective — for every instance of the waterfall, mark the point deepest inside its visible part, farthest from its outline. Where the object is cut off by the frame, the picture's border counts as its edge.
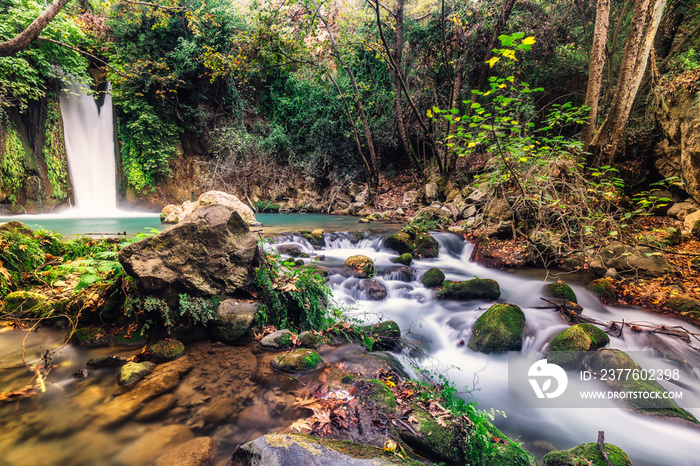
(89, 134)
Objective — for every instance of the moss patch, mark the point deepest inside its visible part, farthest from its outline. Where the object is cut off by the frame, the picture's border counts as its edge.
(166, 350)
(298, 361)
(433, 278)
(587, 454)
(685, 306)
(27, 304)
(476, 288)
(414, 241)
(561, 290)
(568, 348)
(385, 335)
(499, 329)
(362, 266)
(404, 259)
(604, 289)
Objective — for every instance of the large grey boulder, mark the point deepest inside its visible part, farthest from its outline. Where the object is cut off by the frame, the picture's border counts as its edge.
(630, 260)
(210, 252)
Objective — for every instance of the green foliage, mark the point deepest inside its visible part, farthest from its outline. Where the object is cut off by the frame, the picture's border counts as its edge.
(12, 168)
(84, 247)
(291, 297)
(686, 61)
(197, 310)
(55, 152)
(266, 206)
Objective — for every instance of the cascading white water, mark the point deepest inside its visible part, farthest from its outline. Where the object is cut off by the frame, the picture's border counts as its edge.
(89, 134)
(438, 326)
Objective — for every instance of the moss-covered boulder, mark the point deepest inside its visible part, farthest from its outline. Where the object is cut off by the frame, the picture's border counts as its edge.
(102, 336)
(310, 339)
(383, 336)
(433, 278)
(587, 454)
(412, 240)
(604, 289)
(279, 340)
(404, 259)
(500, 328)
(234, 320)
(314, 237)
(299, 361)
(476, 288)
(569, 347)
(612, 359)
(27, 304)
(166, 350)
(361, 266)
(560, 290)
(106, 361)
(289, 250)
(132, 372)
(685, 306)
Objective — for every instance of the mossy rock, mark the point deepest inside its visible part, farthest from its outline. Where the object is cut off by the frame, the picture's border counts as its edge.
(310, 339)
(416, 242)
(279, 340)
(569, 347)
(290, 250)
(560, 290)
(234, 320)
(476, 288)
(685, 306)
(362, 266)
(298, 361)
(106, 361)
(132, 372)
(27, 304)
(673, 237)
(375, 392)
(500, 328)
(587, 454)
(404, 259)
(383, 336)
(604, 289)
(314, 237)
(433, 278)
(98, 336)
(166, 350)
(695, 231)
(615, 359)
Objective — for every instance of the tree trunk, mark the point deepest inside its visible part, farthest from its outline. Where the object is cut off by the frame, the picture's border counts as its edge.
(645, 22)
(24, 38)
(595, 67)
(451, 163)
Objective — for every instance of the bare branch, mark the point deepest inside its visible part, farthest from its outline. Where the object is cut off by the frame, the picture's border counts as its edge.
(23, 39)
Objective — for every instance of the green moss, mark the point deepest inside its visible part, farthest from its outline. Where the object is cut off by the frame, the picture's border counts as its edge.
(55, 153)
(615, 359)
(587, 454)
(476, 288)
(378, 393)
(314, 237)
(568, 348)
(413, 240)
(13, 170)
(604, 289)
(433, 278)
(561, 290)
(166, 350)
(132, 372)
(695, 231)
(685, 306)
(404, 259)
(383, 336)
(363, 266)
(298, 361)
(27, 304)
(498, 329)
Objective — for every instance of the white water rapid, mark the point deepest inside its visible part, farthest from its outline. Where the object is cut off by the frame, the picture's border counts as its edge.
(438, 326)
(89, 134)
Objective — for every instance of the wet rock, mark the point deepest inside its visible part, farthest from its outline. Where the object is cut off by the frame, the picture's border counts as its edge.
(254, 417)
(560, 290)
(629, 260)
(234, 320)
(374, 290)
(314, 237)
(685, 306)
(281, 450)
(208, 253)
(26, 304)
(310, 339)
(568, 348)
(199, 451)
(299, 361)
(156, 408)
(500, 328)
(414, 241)
(383, 336)
(404, 259)
(289, 250)
(166, 350)
(587, 453)
(132, 372)
(360, 266)
(476, 288)
(604, 289)
(612, 359)
(433, 278)
(279, 340)
(219, 410)
(106, 361)
(17, 227)
(174, 213)
(399, 272)
(153, 444)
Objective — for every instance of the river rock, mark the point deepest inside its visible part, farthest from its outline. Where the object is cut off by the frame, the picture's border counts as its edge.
(685, 306)
(414, 241)
(360, 266)
(681, 210)
(476, 288)
(431, 192)
(569, 347)
(587, 453)
(433, 278)
(292, 449)
(156, 408)
(153, 444)
(289, 250)
(604, 289)
(410, 198)
(210, 252)
(375, 291)
(630, 260)
(234, 320)
(174, 213)
(299, 361)
(560, 290)
(279, 340)
(404, 259)
(166, 350)
(26, 304)
(106, 361)
(385, 335)
(399, 272)
(199, 451)
(132, 372)
(615, 359)
(500, 328)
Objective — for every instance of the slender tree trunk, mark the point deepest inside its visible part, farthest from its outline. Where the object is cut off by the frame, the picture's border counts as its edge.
(613, 47)
(451, 163)
(645, 22)
(24, 38)
(595, 70)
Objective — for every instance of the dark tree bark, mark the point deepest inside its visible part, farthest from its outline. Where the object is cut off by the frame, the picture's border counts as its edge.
(26, 37)
(595, 70)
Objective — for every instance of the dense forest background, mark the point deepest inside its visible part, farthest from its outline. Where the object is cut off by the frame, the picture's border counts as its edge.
(264, 98)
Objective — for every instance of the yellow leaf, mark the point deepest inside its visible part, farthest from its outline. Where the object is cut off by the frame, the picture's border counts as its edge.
(429, 113)
(493, 61)
(508, 53)
(529, 40)
(22, 247)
